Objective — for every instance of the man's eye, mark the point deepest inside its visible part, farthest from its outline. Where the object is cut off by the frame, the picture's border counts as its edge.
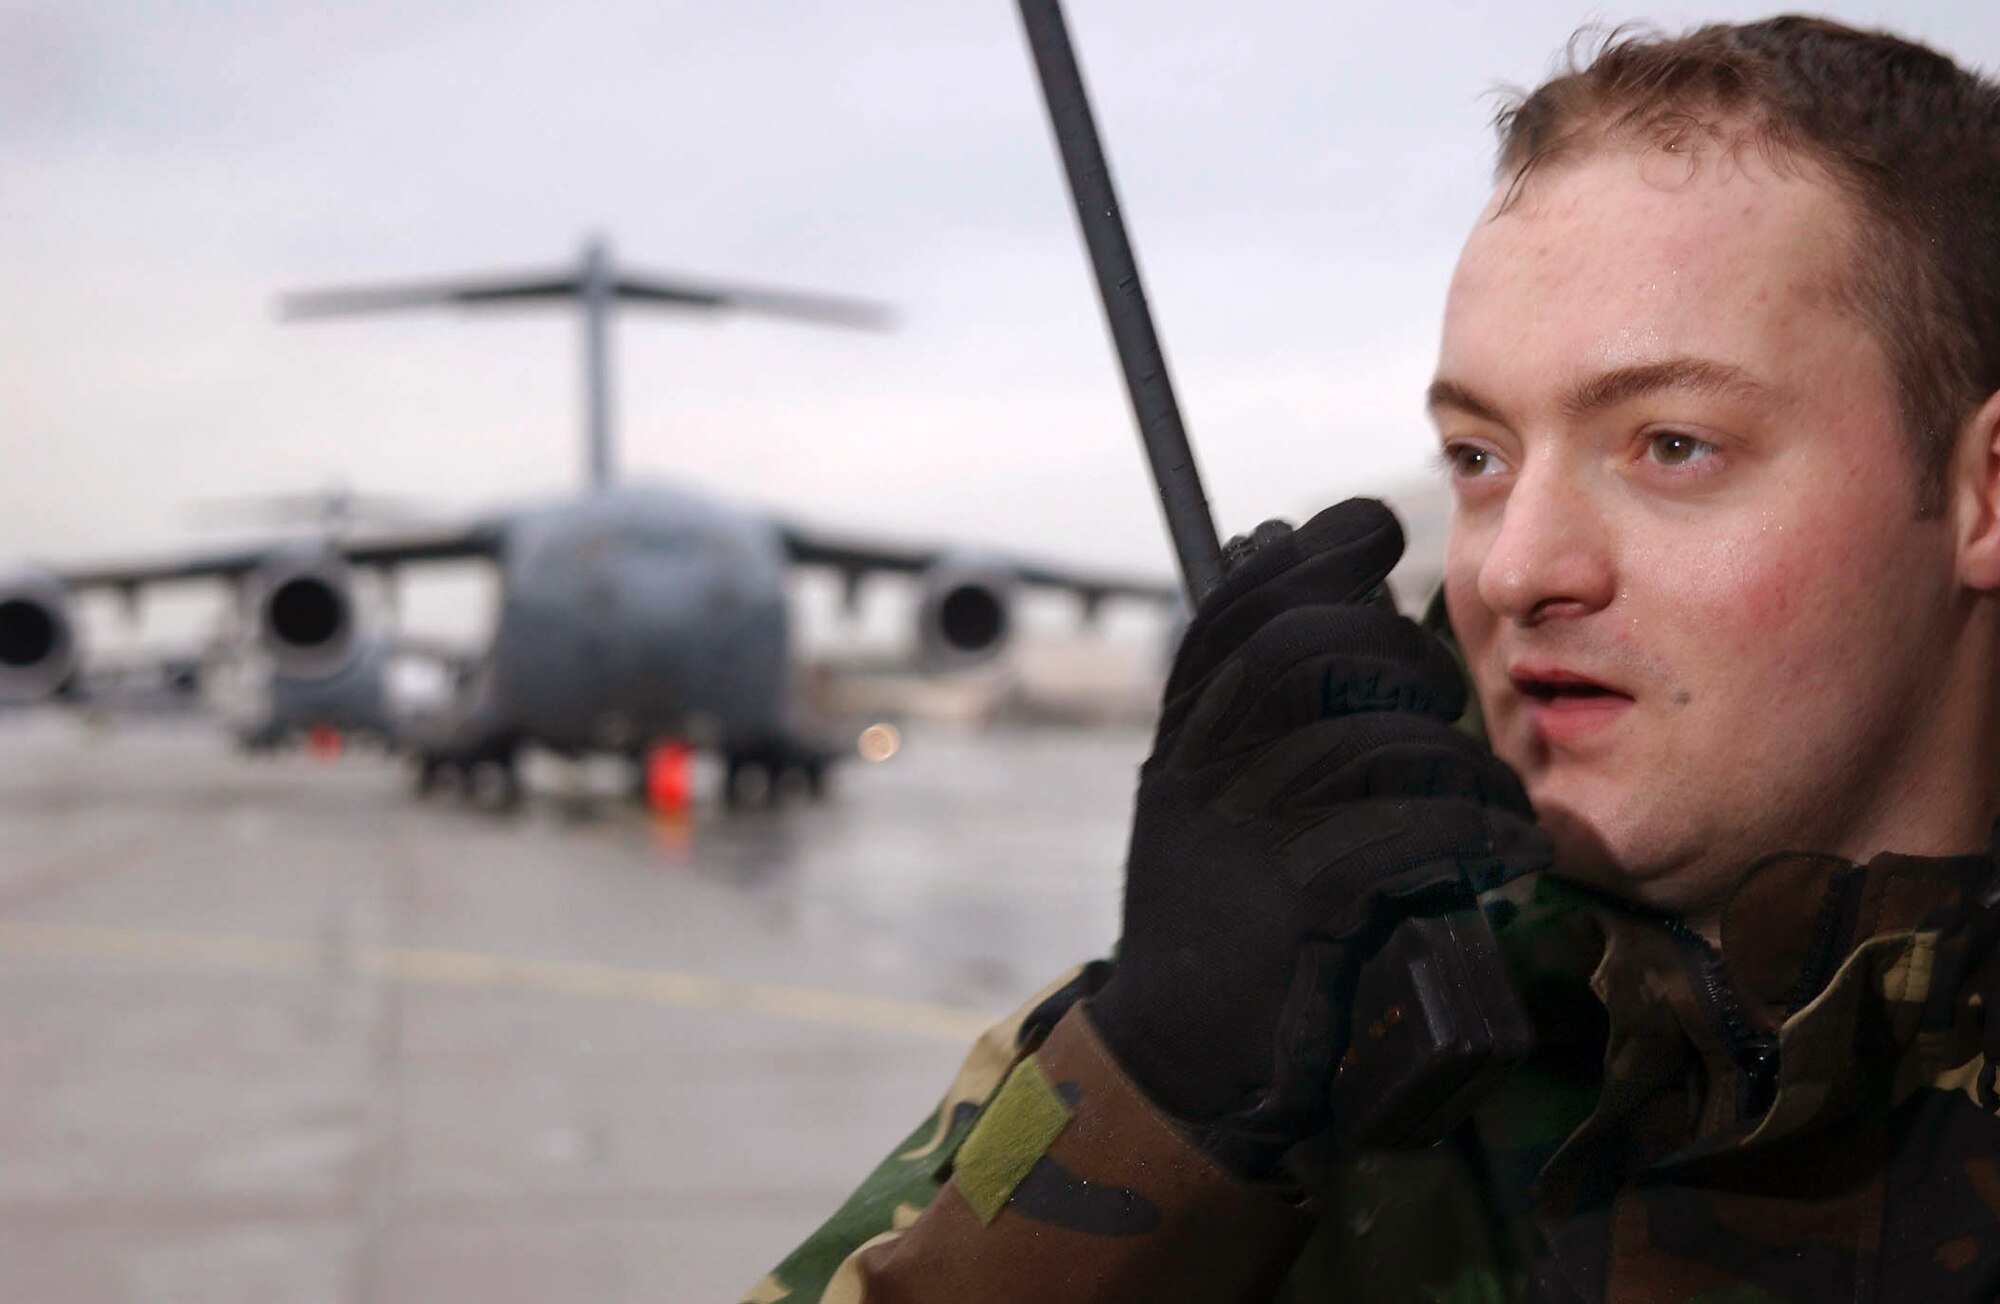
(1470, 461)
(1676, 448)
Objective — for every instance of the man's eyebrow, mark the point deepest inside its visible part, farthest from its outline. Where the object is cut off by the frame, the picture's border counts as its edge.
(1610, 388)
(1692, 375)
(1451, 394)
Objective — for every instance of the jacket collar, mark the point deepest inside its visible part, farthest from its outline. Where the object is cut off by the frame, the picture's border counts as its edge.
(1877, 993)
(1835, 985)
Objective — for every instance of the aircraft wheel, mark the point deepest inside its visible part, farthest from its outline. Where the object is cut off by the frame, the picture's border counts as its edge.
(814, 772)
(429, 772)
(494, 784)
(746, 782)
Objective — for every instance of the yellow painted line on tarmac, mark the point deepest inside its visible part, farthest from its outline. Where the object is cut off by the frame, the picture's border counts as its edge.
(425, 967)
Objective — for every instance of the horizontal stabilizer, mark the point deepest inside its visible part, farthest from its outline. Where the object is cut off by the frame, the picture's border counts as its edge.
(478, 292)
(825, 309)
(470, 292)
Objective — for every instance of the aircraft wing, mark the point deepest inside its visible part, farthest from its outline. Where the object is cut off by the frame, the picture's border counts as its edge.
(158, 683)
(854, 557)
(481, 540)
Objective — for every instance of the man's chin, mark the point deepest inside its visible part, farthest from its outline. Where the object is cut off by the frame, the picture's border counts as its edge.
(1587, 856)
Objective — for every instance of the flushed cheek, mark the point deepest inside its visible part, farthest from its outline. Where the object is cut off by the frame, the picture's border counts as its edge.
(1745, 620)
(1775, 632)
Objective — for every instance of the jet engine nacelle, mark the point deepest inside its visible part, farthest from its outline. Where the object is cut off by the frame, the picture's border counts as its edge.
(302, 610)
(966, 612)
(38, 641)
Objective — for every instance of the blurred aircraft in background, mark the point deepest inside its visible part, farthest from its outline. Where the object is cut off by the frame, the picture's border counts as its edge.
(630, 615)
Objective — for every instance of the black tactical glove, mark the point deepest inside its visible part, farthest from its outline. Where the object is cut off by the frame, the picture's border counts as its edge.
(1306, 792)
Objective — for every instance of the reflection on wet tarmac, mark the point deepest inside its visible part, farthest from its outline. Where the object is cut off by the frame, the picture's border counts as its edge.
(275, 1030)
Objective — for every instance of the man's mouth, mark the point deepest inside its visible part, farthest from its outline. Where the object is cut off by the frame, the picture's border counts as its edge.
(1564, 705)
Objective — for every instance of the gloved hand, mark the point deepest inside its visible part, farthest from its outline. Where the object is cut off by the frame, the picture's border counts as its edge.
(1305, 793)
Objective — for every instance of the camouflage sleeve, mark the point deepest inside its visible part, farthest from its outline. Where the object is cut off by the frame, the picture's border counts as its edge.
(904, 1184)
(1071, 1186)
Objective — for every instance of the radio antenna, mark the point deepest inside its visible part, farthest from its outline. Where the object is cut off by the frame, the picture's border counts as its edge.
(1147, 384)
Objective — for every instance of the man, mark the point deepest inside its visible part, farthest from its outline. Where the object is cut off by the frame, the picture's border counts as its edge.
(1717, 397)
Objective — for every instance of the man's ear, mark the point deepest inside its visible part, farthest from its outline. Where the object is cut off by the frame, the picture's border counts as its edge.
(1975, 498)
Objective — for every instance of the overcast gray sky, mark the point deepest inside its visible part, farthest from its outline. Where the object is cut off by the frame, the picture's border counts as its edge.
(1297, 176)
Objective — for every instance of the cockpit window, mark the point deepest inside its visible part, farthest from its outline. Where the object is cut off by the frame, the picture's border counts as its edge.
(653, 539)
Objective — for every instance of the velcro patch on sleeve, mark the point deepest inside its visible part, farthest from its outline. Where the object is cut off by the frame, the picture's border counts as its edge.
(1015, 1131)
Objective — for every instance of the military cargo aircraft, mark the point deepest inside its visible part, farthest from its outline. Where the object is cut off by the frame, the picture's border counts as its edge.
(629, 614)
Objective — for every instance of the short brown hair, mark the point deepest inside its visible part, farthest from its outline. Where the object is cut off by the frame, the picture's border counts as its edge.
(1912, 139)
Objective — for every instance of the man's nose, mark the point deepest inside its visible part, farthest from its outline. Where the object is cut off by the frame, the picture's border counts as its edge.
(1551, 556)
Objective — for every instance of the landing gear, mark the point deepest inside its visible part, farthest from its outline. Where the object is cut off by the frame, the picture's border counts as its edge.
(489, 779)
(431, 771)
(746, 781)
(495, 783)
(768, 772)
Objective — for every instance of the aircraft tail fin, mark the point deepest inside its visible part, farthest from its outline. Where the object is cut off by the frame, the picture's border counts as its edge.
(595, 286)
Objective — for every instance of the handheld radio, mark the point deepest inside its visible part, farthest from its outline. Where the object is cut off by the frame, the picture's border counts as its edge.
(1435, 1019)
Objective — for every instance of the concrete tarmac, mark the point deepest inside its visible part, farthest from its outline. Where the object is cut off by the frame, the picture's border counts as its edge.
(274, 1030)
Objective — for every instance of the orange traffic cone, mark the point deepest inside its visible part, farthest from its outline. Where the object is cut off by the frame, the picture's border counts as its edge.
(668, 786)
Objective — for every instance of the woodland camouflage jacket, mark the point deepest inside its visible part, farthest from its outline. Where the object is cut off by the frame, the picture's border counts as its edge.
(1805, 1114)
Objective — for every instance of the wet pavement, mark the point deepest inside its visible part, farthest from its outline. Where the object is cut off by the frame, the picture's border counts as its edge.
(272, 1030)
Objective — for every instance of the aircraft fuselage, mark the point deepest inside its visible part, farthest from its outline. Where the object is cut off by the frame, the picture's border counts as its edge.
(635, 614)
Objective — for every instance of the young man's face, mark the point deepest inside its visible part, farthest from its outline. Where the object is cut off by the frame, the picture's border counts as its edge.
(1685, 565)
